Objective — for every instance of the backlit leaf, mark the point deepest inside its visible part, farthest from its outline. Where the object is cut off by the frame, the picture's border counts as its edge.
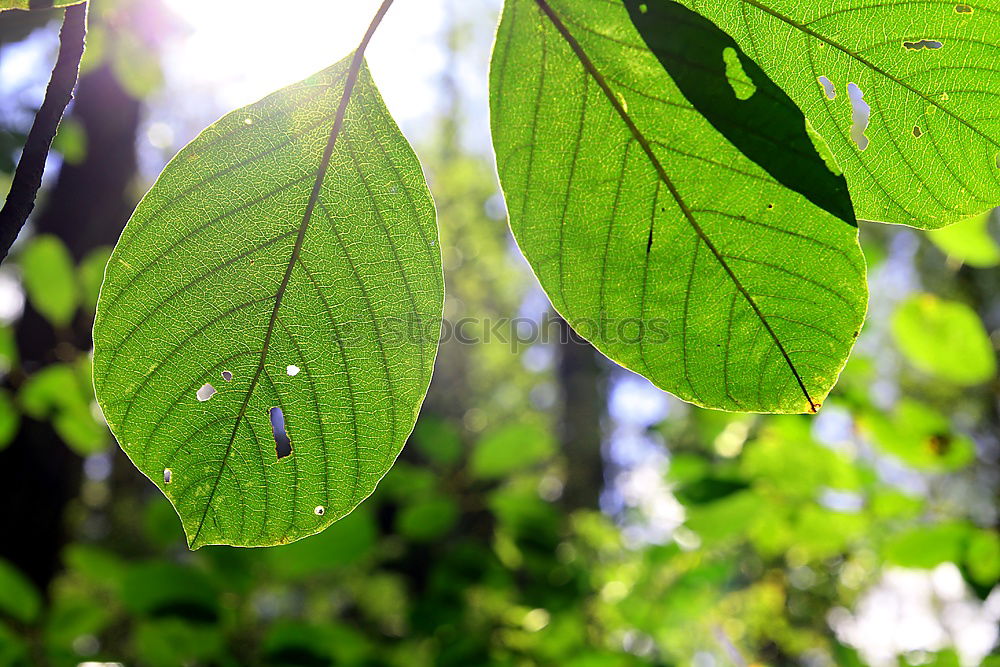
(905, 93)
(18, 597)
(968, 241)
(742, 102)
(230, 296)
(928, 546)
(91, 273)
(49, 278)
(983, 557)
(652, 234)
(10, 419)
(919, 436)
(945, 339)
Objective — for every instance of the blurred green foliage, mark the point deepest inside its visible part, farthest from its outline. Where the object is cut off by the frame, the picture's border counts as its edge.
(779, 530)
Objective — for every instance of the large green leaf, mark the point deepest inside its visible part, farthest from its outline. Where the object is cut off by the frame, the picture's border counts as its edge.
(930, 154)
(227, 276)
(651, 233)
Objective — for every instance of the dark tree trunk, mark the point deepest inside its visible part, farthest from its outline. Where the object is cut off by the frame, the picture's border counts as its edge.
(86, 208)
(580, 381)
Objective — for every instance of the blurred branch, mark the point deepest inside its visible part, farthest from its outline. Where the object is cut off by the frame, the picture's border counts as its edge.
(28, 176)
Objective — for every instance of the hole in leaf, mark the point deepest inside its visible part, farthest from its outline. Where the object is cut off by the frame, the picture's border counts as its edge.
(917, 132)
(320, 510)
(168, 474)
(922, 44)
(828, 88)
(860, 115)
(963, 9)
(741, 83)
(227, 376)
(770, 207)
(644, 8)
(206, 392)
(292, 370)
(282, 443)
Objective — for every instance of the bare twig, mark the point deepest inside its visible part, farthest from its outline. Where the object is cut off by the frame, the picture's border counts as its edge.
(28, 175)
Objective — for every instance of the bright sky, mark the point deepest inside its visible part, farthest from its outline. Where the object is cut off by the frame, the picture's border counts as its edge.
(240, 50)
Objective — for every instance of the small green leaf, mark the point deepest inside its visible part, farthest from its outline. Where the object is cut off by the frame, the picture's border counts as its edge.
(49, 278)
(10, 419)
(91, 275)
(983, 557)
(510, 448)
(438, 440)
(18, 597)
(344, 544)
(260, 275)
(920, 436)
(64, 394)
(427, 518)
(71, 141)
(656, 239)
(927, 546)
(13, 648)
(968, 241)
(929, 152)
(945, 339)
(8, 349)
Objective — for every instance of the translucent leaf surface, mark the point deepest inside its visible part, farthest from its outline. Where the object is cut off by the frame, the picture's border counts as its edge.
(10, 419)
(652, 234)
(49, 278)
(229, 296)
(907, 94)
(945, 339)
(742, 102)
(18, 597)
(968, 241)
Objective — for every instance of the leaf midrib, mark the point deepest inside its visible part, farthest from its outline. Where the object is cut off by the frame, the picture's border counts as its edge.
(867, 63)
(324, 166)
(641, 139)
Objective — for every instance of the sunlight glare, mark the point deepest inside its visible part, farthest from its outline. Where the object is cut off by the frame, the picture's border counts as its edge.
(237, 51)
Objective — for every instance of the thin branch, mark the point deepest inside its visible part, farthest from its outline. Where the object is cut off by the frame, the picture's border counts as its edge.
(28, 175)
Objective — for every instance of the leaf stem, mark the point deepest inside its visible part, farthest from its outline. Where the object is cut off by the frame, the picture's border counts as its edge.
(28, 175)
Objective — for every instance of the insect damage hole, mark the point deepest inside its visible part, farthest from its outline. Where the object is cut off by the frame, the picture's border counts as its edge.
(227, 376)
(206, 392)
(963, 9)
(917, 132)
(741, 83)
(292, 370)
(921, 44)
(860, 115)
(282, 443)
(828, 88)
(319, 511)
